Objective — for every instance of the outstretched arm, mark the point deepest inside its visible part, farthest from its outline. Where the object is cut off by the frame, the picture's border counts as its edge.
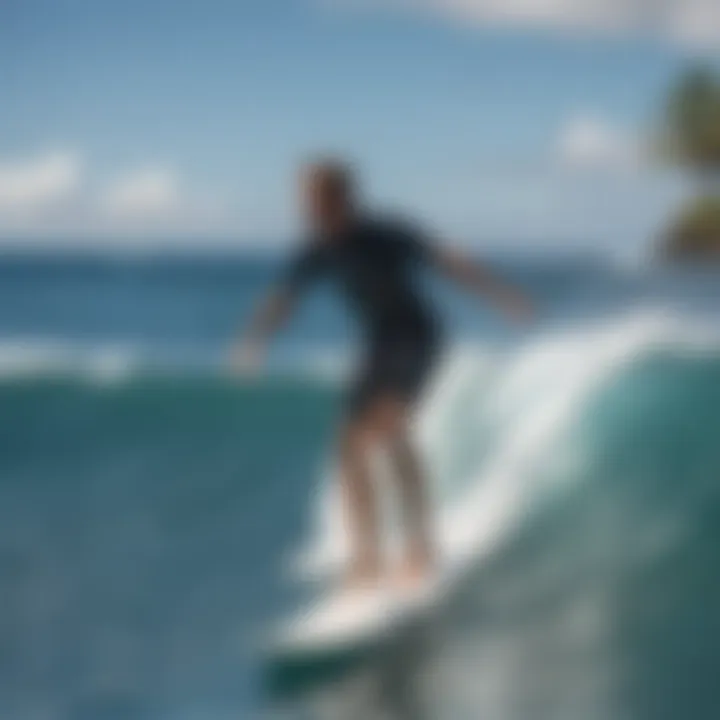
(270, 315)
(479, 280)
(276, 308)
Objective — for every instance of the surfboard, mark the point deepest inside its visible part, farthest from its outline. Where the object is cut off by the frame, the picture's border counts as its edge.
(345, 621)
(340, 622)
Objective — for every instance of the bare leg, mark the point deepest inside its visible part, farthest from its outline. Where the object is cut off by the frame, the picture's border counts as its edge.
(416, 513)
(360, 507)
(391, 420)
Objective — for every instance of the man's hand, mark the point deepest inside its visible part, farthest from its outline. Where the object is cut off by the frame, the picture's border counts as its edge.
(247, 358)
(519, 308)
(248, 355)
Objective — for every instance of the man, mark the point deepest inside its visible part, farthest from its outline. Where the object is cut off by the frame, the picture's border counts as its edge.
(374, 262)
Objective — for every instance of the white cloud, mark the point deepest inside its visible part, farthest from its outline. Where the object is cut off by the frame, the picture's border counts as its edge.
(151, 192)
(586, 142)
(694, 23)
(55, 195)
(39, 182)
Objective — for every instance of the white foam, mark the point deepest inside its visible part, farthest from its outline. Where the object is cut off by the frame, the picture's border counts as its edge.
(32, 358)
(523, 401)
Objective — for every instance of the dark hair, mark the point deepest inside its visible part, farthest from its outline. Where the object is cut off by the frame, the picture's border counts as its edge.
(337, 176)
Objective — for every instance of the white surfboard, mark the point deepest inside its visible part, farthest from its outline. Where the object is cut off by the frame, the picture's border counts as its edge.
(343, 620)
(340, 621)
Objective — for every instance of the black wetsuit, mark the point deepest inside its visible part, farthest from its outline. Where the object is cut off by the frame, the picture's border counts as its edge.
(375, 264)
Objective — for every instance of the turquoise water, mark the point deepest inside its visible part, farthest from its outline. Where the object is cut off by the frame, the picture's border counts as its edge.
(151, 505)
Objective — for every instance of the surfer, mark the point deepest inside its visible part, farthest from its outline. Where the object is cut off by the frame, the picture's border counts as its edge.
(374, 261)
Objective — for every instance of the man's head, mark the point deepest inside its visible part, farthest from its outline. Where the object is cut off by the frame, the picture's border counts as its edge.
(328, 195)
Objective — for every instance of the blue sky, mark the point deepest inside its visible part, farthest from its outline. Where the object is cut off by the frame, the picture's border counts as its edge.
(179, 120)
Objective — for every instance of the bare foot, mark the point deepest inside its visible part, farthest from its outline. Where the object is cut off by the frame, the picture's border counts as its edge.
(362, 577)
(414, 572)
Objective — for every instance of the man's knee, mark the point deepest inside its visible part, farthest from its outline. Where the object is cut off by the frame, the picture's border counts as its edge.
(384, 425)
(356, 440)
(390, 425)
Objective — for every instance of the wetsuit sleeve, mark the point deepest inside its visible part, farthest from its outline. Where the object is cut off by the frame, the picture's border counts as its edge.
(301, 271)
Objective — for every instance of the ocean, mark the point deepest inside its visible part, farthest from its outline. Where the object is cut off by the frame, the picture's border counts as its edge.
(157, 513)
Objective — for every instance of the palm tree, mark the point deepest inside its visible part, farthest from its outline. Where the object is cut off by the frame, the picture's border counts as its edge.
(693, 121)
(692, 140)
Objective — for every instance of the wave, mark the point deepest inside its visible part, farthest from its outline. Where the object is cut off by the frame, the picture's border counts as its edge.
(578, 469)
(495, 430)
